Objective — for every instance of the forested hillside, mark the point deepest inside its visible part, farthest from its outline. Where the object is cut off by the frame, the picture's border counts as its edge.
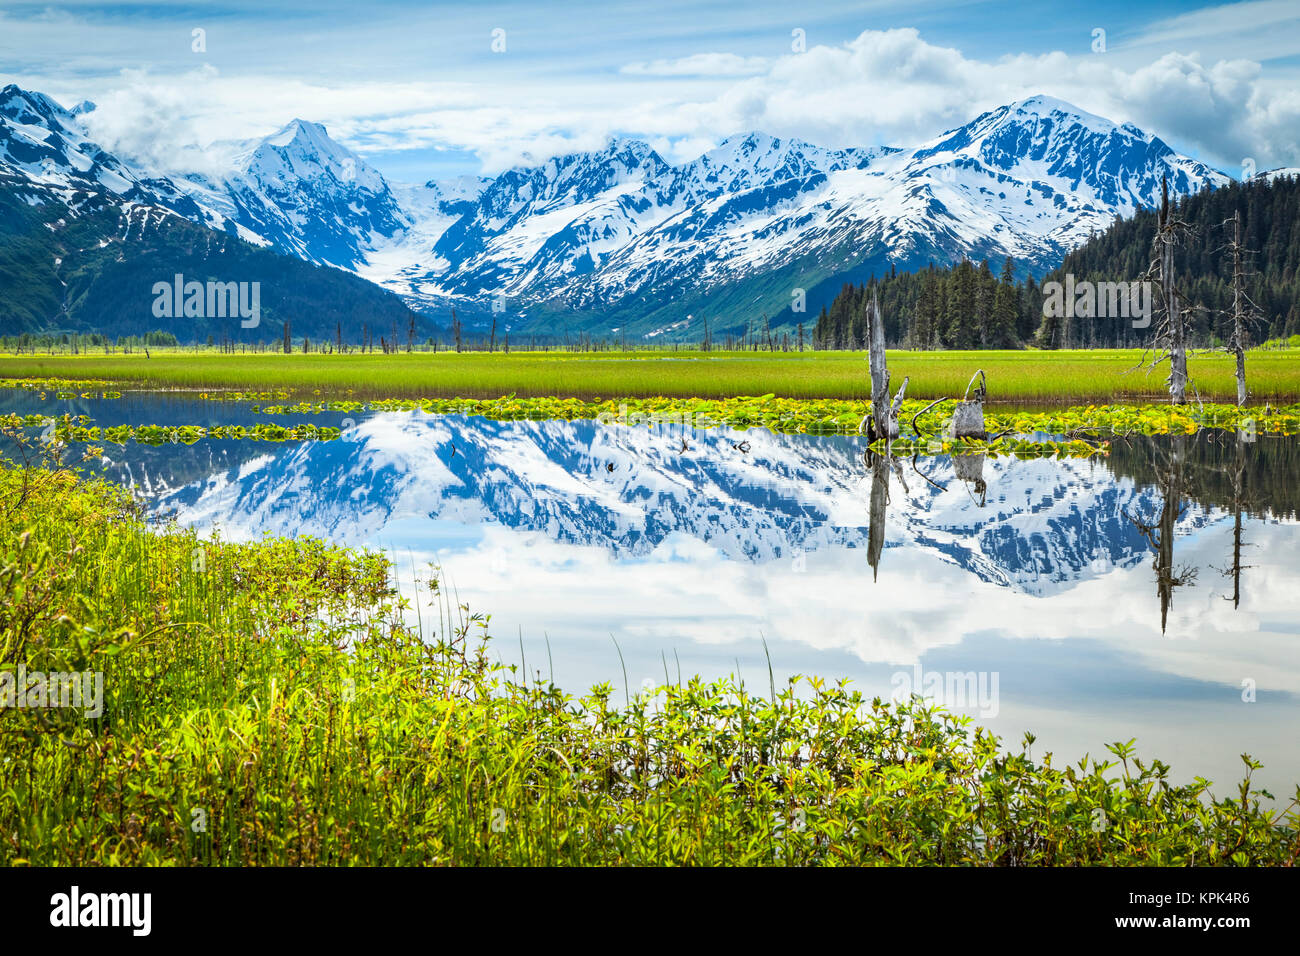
(982, 305)
(79, 261)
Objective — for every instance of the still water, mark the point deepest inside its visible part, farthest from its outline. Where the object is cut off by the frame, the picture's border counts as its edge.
(1153, 593)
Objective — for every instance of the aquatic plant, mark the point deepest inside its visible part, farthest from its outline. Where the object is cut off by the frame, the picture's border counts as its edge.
(1070, 432)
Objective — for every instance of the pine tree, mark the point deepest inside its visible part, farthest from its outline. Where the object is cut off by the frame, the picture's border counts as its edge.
(1006, 309)
(959, 312)
(985, 293)
(1029, 311)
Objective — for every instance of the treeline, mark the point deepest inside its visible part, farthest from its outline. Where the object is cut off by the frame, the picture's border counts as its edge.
(966, 306)
(1270, 219)
(94, 269)
(970, 306)
(77, 342)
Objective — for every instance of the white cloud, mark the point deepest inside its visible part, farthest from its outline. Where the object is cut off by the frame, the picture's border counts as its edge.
(700, 64)
(889, 86)
(893, 86)
(1259, 29)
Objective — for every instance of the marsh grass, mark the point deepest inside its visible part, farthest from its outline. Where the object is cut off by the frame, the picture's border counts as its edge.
(1098, 375)
(265, 703)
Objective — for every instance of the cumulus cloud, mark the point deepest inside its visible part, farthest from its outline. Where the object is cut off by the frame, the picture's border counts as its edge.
(893, 86)
(151, 124)
(882, 87)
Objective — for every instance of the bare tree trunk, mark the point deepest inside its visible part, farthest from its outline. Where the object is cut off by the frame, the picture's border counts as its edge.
(883, 421)
(1238, 483)
(1238, 309)
(1173, 507)
(1161, 534)
(879, 373)
(1173, 303)
(1177, 344)
(970, 469)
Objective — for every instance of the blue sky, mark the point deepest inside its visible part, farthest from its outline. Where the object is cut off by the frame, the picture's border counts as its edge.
(420, 90)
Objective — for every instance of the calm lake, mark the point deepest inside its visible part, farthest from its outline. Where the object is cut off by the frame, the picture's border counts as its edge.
(1153, 593)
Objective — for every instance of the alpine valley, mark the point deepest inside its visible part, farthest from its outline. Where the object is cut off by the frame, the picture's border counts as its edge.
(617, 241)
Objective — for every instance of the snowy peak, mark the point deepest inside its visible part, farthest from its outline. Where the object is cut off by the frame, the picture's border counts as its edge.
(565, 182)
(1046, 525)
(1049, 107)
(30, 108)
(535, 228)
(757, 159)
(457, 189)
(1045, 119)
(614, 230)
(580, 177)
(304, 133)
(310, 196)
(47, 145)
(304, 151)
(1046, 140)
(296, 189)
(42, 139)
(1283, 172)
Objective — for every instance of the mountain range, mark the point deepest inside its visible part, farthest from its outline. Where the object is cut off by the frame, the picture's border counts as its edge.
(85, 238)
(620, 241)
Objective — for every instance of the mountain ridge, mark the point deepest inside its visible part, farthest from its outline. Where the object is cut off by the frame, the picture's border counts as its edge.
(620, 239)
(84, 240)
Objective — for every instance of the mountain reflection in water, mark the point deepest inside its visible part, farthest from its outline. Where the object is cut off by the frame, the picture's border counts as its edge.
(1150, 593)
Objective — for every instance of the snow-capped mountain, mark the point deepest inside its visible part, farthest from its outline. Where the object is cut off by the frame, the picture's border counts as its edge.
(46, 145)
(588, 230)
(87, 236)
(621, 238)
(314, 198)
(625, 239)
(1283, 172)
(1030, 181)
(307, 195)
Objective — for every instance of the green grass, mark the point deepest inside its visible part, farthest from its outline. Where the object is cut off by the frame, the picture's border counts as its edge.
(1026, 376)
(268, 703)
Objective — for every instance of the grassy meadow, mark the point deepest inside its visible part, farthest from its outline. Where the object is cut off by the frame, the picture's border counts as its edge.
(1023, 376)
(271, 703)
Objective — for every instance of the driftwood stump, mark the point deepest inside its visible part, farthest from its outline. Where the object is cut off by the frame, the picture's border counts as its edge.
(879, 505)
(968, 416)
(882, 422)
